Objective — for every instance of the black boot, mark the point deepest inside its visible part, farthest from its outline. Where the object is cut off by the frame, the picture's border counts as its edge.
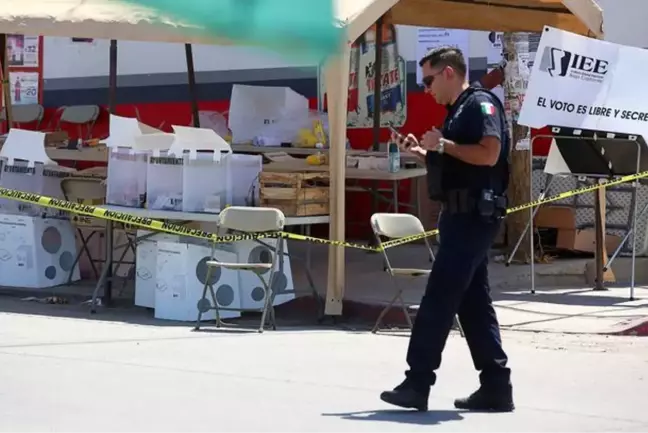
(408, 395)
(498, 399)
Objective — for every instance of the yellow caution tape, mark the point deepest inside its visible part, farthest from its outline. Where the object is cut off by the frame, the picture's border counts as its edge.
(125, 218)
(177, 229)
(534, 203)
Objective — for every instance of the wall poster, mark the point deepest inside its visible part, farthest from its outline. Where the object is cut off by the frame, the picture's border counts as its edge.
(360, 102)
(24, 61)
(24, 87)
(23, 51)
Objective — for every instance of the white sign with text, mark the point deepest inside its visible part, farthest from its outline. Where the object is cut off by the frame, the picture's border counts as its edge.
(586, 83)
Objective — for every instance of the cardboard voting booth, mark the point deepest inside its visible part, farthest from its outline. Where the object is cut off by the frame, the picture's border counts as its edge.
(126, 182)
(206, 173)
(271, 113)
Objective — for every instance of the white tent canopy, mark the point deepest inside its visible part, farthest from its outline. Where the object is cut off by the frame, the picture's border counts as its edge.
(114, 19)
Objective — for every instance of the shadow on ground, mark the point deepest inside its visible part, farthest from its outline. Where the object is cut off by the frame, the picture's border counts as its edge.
(433, 417)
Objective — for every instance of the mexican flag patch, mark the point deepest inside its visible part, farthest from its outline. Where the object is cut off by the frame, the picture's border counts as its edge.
(488, 108)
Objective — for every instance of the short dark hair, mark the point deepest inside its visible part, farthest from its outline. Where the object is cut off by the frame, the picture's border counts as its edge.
(446, 56)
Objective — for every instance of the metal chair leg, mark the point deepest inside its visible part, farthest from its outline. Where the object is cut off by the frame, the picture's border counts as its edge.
(404, 308)
(384, 311)
(215, 303)
(95, 293)
(84, 248)
(203, 299)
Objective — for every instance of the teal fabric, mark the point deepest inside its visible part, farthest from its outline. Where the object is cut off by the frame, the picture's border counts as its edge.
(305, 29)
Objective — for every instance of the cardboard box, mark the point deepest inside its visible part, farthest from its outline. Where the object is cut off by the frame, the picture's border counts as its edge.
(556, 217)
(55, 138)
(36, 253)
(585, 240)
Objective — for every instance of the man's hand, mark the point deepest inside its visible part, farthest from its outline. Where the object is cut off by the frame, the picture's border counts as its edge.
(431, 140)
(408, 143)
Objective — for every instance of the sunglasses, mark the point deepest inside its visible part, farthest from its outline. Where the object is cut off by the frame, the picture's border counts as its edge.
(429, 79)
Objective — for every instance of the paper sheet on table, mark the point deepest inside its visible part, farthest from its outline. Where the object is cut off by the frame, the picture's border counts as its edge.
(122, 131)
(25, 145)
(153, 142)
(279, 157)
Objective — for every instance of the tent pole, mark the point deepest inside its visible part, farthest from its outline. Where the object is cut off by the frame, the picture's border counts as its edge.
(378, 62)
(6, 88)
(112, 78)
(191, 78)
(377, 86)
(337, 90)
(112, 106)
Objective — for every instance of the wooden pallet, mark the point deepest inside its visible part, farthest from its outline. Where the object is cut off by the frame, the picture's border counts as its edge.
(295, 194)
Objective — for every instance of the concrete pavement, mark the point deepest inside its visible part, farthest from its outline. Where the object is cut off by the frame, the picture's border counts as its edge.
(71, 373)
(563, 301)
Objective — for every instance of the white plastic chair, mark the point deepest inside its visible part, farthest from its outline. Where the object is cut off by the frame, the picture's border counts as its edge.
(394, 226)
(241, 220)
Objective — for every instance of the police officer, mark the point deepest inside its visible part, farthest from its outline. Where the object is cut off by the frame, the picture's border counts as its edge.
(467, 165)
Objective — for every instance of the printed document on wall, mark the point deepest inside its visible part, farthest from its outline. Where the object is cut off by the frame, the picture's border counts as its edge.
(586, 83)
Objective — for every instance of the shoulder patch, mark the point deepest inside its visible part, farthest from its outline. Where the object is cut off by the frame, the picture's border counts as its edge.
(487, 108)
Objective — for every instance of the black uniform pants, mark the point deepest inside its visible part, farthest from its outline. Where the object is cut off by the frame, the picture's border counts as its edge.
(458, 284)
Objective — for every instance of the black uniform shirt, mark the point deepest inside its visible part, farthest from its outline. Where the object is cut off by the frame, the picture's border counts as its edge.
(476, 114)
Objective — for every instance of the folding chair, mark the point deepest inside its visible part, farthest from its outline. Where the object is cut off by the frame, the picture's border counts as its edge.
(79, 115)
(241, 220)
(24, 114)
(393, 226)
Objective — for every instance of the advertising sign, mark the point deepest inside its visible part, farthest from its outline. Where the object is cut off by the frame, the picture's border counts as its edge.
(360, 102)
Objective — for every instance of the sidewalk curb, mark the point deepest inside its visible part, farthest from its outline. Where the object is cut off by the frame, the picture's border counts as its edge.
(636, 328)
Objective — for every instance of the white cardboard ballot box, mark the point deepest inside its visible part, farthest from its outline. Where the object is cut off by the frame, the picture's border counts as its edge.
(205, 168)
(181, 274)
(251, 288)
(36, 252)
(146, 266)
(126, 181)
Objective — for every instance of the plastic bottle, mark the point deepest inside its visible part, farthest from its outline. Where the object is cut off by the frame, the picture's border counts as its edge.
(394, 157)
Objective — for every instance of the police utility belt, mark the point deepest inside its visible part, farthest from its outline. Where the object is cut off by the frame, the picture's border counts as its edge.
(484, 203)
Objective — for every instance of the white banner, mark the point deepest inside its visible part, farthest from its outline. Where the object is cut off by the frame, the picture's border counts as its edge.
(586, 83)
(429, 38)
